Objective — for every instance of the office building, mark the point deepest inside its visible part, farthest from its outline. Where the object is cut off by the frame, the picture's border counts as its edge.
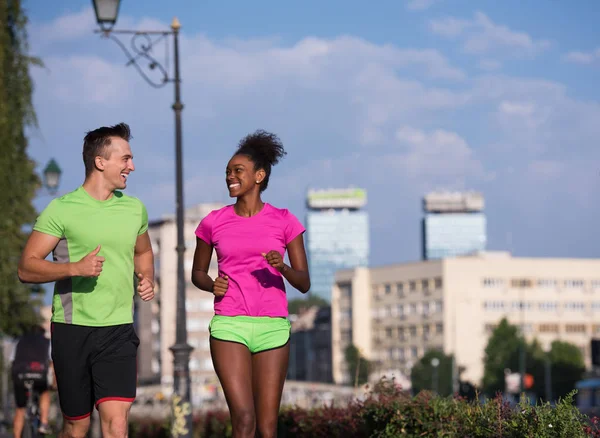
(337, 235)
(454, 224)
(310, 346)
(395, 313)
(156, 320)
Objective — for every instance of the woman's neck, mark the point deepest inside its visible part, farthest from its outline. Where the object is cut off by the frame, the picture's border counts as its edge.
(248, 206)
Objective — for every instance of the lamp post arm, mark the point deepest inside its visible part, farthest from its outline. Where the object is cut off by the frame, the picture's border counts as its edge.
(141, 49)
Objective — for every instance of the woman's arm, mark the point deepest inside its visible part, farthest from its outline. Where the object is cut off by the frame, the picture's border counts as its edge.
(202, 256)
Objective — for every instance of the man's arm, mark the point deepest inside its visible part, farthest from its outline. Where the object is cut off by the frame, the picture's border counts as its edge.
(33, 266)
(144, 266)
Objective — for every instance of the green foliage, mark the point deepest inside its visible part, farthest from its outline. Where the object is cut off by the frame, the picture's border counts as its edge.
(359, 367)
(388, 412)
(18, 181)
(566, 362)
(422, 374)
(501, 352)
(294, 306)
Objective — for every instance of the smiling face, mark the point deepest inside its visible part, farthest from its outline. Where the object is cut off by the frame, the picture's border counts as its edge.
(241, 176)
(117, 163)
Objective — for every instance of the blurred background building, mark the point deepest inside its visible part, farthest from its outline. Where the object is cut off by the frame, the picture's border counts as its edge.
(395, 313)
(337, 235)
(454, 224)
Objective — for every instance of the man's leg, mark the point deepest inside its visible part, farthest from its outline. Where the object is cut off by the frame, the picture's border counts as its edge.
(18, 422)
(70, 352)
(114, 418)
(44, 411)
(114, 373)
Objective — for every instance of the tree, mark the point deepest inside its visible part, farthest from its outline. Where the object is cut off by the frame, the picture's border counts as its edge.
(359, 367)
(18, 181)
(501, 352)
(567, 367)
(425, 376)
(294, 306)
(566, 362)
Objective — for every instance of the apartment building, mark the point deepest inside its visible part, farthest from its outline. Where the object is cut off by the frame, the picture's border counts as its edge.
(395, 313)
(156, 321)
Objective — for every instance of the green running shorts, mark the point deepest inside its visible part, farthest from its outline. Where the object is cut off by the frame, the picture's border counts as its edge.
(258, 333)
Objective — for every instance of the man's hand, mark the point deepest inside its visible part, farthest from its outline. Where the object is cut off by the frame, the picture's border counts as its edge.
(220, 286)
(275, 259)
(90, 265)
(145, 287)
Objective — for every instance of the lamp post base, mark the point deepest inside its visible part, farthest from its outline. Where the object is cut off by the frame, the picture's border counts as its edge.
(181, 402)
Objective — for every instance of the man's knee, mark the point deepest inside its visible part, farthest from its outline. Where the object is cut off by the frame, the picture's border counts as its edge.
(75, 428)
(117, 426)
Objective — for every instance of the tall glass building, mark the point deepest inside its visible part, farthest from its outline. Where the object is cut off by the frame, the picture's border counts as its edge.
(337, 235)
(454, 225)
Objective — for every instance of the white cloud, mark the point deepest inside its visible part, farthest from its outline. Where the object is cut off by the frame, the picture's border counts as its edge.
(519, 109)
(436, 154)
(489, 64)
(583, 57)
(482, 36)
(419, 5)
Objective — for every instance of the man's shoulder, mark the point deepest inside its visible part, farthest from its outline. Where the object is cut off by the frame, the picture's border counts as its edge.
(129, 199)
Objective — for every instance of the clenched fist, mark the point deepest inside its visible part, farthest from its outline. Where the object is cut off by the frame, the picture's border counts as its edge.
(145, 287)
(275, 259)
(90, 265)
(220, 286)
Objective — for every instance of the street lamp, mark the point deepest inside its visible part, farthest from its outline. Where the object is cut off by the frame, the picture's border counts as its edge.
(142, 43)
(106, 13)
(435, 362)
(52, 176)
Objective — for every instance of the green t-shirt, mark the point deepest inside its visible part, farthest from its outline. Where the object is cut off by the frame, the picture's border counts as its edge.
(82, 222)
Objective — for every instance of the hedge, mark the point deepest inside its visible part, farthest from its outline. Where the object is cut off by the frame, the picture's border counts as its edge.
(389, 412)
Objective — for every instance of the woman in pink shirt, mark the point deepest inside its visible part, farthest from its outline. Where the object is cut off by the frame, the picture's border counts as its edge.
(250, 332)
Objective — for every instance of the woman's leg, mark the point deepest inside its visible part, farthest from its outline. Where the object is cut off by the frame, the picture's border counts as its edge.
(269, 369)
(233, 365)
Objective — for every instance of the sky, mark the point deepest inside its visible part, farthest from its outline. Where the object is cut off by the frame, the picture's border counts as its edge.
(399, 97)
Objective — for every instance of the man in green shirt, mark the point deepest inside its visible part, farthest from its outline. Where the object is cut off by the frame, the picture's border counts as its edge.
(101, 248)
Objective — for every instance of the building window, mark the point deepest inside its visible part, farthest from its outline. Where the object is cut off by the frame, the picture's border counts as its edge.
(575, 306)
(413, 309)
(414, 352)
(547, 283)
(438, 283)
(439, 328)
(573, 284)
(425, 285)
(519, 283)
(426, 330)
(521, 305)
(388, 289)
(400, 289)
(425, 308)
(575, 328)
(549, 306)
(439, 306)
(548, 328)
(596, 306)
(412, 286)
(493, 282)
(595, 284)
(346, 290)
(412, 330)
(400, 309)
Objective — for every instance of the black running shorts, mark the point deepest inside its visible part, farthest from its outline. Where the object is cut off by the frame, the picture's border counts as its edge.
(93, 365)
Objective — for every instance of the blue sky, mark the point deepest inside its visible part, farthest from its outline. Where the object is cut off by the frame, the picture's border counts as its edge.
(399, 97)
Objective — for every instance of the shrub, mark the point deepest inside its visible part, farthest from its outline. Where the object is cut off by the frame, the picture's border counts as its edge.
(388, 412)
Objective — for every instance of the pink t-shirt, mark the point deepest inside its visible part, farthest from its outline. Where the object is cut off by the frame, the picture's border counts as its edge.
(255, 287)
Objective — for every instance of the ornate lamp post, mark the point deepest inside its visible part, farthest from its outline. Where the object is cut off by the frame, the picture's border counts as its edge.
(142, 43)
(52, 176)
